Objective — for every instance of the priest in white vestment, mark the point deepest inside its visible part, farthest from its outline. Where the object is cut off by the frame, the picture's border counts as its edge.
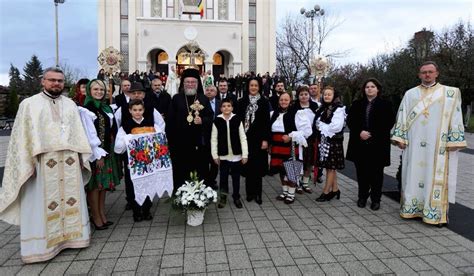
(45, 173)
(430, 130)
(172, 83)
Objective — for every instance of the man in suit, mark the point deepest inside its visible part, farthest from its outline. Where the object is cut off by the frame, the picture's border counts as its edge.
(224, 92)
(215, 103)
(160, 97)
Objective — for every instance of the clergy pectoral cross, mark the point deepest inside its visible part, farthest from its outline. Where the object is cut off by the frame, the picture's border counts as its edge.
(426, 112)
(190, 118)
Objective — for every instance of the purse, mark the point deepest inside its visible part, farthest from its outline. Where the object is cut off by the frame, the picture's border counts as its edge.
(293, 166)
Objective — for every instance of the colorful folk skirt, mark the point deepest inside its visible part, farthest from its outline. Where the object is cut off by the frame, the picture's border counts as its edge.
(106, 178)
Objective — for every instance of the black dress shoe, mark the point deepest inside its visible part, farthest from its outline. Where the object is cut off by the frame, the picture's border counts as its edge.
(128, 207)
(249, 198)
(108, 223)
(137, 218)
(258, 199)
(361, 203)
(375, 206)
(98, 228)
(238, 203)
(323, 197)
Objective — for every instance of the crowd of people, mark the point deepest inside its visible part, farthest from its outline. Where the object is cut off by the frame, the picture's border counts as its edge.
(246, 126)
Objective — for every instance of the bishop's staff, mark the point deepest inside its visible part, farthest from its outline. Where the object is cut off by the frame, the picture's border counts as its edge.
(110, 60)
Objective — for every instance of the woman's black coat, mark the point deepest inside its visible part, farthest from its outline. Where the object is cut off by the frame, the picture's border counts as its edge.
(376, 149)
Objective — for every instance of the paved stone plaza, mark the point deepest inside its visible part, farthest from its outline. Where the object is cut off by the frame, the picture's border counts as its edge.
(272, 239)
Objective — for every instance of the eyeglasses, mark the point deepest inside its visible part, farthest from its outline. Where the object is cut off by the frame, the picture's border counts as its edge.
(55, 80)
(427, 72)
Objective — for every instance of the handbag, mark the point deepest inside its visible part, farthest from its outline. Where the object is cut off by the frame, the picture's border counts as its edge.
(293, 166)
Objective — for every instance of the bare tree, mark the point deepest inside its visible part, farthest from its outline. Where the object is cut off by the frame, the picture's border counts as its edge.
(294, 45)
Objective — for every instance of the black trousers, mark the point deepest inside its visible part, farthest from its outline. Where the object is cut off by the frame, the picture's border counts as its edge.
(370, 180)
(130, 193)
(230, 168)
(253, 185)
(192, 160)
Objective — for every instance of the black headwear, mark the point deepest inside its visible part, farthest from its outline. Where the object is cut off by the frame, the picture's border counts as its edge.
(136, 86)
(193, 73)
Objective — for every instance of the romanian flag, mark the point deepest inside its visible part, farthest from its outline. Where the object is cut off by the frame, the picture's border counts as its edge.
(201, 8)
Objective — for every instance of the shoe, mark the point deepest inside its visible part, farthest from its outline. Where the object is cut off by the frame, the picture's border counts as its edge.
(222, 202)
(375, 206)
(361, 203)
(137, 218)
(307, 189)
(98, 228)
(108, 223)
(281, 197)
(299, 190)
(336, 194)
(147, 217)
(238, 203)
(258, 199)
(128, 207)
(289, 200)
(323, 197)
(249, 198)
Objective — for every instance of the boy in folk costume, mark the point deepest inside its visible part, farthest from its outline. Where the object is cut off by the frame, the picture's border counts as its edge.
(138, 192)
(229, 149)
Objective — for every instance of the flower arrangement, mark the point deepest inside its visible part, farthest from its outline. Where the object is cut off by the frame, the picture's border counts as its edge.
(194, 195)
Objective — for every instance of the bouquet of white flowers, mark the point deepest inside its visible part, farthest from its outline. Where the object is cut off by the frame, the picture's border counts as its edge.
(194, 195)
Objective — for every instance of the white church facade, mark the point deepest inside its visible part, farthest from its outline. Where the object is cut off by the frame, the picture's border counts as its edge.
(224, 36)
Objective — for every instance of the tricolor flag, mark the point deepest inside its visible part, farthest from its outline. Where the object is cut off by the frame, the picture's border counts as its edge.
(201, 8)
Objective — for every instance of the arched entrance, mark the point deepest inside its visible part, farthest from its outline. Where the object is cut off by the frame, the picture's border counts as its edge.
(221, 61)
(190, 56)
(158, 59)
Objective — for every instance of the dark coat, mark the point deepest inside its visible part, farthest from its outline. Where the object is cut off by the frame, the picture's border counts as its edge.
(259, 131)
(381, 120)
(161, 103)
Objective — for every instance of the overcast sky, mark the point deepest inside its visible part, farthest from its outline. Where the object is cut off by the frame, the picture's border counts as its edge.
(369, 27)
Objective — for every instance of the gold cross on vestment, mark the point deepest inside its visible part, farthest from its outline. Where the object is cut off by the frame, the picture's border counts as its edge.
(426, 112)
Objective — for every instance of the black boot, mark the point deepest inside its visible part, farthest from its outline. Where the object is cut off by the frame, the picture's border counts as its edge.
(323, 197)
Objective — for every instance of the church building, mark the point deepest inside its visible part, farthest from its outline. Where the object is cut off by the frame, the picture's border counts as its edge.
(224, 36)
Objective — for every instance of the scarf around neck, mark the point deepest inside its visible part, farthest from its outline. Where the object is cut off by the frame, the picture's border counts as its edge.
(250, 112)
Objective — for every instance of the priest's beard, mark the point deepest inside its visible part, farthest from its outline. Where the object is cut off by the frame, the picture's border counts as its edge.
(190, 92)
(55, 91)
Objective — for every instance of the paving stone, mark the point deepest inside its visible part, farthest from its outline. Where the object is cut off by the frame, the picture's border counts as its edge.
(238, 259)
(280, 256)
(288, 270)
(103, 267)
(376, 267)
(333, 269)
(258, 254)
(233, 239)
(355, 268)
(298, 252)
(253, 241)
(113, 246)
(266, 271)
(80, 267)
(242, 272)
(396, 248)
(171, 271)
(175, 260)
(321, 254)
(397, 266)
(55, 268)
(218, 268)
(194, 242)
(194, 262)
(31, 269)
(359, 251)
(10, 270)
(127, 264)
(260, 264)
(439, 264)
(174, 246)
(90, 253)
(454, 260)
(214, 243)
(302, 261)
(337, 249)
(216, 257)
(416, 263)
(289, 238)
(311, 269)
(270, 237)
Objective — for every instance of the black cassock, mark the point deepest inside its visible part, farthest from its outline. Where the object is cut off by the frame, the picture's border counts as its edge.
(188, 141)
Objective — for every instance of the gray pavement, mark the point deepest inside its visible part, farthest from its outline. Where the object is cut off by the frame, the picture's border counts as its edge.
(272, 239)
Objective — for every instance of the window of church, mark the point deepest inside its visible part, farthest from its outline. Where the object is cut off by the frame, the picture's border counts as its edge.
(124, 25)
(156, 8)
(124, 7)
(210, 9)
(223, 10)
(170, 8)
